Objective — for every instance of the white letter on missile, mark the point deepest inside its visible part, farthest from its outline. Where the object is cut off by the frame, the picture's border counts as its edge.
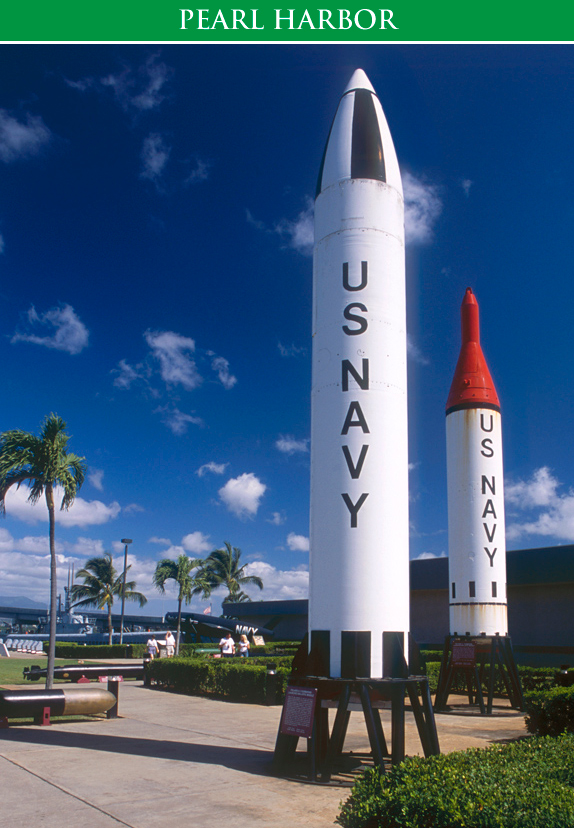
(364, 276)
(185, 19)
(387, 19)
(355, 471)
(355, 408)
(354, 507)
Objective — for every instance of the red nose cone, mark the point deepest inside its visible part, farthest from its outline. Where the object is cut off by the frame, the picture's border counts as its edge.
(472, 385)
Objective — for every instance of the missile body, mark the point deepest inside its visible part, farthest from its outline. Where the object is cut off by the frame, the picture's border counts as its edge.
(359, 561)
(476, 532)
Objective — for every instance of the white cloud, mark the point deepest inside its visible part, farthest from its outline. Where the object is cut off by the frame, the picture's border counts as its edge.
(133, 509)
(68, 332)
(556, 518)
(289, 445)
(21, 139)
(242, 495)
(154, 155)
(277, 518)
(427, 556)
(299, 233)
(128, 374)
(291, 350)
(422, 208)
(200, 172)
(221, 366)
(96, 478)
(2, 243)
(297, 543)
(214, 468)
(280, 585)
(540, 490)
(161, 541)
(141, 90)
(81, 513)
(173, 353)
(414, 352)
(177, 421)
(197, 543)
(466, 184)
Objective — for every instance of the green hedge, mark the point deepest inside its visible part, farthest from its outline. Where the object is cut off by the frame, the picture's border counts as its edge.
(231, 679)
(550, 712)
(526, 784)
(66, 649)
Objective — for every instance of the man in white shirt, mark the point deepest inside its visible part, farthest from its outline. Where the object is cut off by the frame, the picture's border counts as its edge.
(170, 644)
(227, 646)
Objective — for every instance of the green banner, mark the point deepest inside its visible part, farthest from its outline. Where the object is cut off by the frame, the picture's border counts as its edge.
(402, 20)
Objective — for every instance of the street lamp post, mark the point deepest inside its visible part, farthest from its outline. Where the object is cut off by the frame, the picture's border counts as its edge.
(126, 542)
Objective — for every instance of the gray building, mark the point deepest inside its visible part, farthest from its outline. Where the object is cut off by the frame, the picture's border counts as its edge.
(540, 605)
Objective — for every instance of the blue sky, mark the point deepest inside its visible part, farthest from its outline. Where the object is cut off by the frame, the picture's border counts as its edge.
(155, 285)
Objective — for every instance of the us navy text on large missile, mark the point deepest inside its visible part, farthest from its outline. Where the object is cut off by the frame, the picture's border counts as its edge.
(355, 417)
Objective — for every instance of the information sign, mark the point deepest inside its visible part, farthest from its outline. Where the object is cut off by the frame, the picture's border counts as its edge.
(463, 654)
(298, 711)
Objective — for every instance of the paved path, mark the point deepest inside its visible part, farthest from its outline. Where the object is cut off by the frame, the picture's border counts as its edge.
(174, 760)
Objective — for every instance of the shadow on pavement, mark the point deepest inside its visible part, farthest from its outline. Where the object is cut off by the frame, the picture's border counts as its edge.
(249, 760)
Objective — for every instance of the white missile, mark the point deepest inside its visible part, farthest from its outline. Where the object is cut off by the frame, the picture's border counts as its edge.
(359, 558)
(476, 533)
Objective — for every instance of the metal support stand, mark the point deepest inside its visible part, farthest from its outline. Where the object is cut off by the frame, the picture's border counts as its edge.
(114, 689)
(43, 718)
(478, 659)
(324, 749)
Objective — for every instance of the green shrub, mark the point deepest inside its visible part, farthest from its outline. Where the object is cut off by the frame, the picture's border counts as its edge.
(231, 679)
(550, 712)
(67, 649)
(526, 784)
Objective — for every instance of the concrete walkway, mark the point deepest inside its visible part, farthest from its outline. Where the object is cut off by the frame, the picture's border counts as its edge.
(174, 760)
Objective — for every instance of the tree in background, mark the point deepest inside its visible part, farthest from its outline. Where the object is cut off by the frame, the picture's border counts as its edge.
(222, 568)
(188, 584)
(43, 463)
(101, 585)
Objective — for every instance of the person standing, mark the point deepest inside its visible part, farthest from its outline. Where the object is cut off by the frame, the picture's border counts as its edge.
(152, 647)
(227, 646)
(243, 647)
(170, 644)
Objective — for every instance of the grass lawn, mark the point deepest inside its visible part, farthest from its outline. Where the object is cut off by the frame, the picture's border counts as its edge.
(11, 670)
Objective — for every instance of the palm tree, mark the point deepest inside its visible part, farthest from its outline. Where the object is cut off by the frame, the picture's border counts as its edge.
(189, 585)
(43, 463)
(221, 568)
(101, 585)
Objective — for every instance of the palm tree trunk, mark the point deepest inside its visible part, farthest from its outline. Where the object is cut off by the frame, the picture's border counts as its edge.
(53, 588)
(110, 628)
(178, 633)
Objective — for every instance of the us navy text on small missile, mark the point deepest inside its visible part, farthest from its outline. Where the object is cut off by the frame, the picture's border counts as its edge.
(488, 487)
(339, 19)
